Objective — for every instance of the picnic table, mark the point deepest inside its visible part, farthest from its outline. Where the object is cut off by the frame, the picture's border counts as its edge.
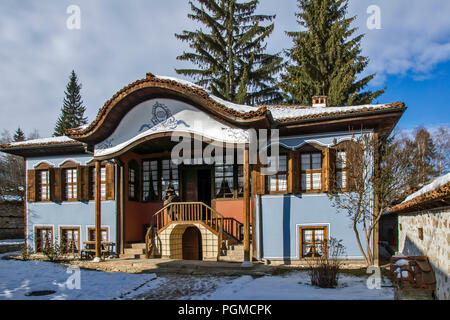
(89, 248)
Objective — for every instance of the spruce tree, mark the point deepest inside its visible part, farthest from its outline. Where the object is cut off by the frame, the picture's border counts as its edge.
(230, 51)
(326, 59)
(19, 135)
(72, 112)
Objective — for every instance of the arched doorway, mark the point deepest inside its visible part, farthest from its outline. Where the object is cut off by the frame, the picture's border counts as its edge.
(192, 244)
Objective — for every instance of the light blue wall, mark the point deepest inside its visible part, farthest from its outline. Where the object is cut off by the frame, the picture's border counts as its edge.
(278, 217)
(68, 214)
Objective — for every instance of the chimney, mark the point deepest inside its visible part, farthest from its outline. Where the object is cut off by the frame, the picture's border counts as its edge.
(319, 101)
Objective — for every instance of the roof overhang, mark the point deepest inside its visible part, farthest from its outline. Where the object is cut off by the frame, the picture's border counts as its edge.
(36, 150)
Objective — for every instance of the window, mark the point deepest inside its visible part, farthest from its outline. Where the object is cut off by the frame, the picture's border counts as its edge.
(240, 168)
(43, 237)
(133, 181)
(43, 185)
(92, 182)
(149, 180)
(224, 180)
(278, 181)
(70, 185)
(169, 177)
(311, 171)
(91, 234)
(341, 170)
(313, 241)
(70, 240)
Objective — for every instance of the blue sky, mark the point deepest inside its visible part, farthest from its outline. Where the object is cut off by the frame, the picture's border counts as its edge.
(119, 41)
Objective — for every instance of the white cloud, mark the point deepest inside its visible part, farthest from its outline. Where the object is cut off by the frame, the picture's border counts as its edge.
(120, 41)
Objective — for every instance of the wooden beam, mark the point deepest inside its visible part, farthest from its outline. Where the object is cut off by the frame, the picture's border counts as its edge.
(246, 206)
(98, 207)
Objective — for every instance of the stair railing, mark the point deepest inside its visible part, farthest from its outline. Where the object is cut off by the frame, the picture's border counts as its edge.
(184, 212)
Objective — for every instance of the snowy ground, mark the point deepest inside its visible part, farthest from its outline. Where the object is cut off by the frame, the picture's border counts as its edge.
(19, 278)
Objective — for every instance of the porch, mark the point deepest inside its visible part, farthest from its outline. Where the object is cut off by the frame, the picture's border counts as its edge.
(205, 221)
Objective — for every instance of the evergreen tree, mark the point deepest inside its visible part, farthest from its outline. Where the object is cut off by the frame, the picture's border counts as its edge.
(72, 112)
(231, 52)
(19, 135)
(422, 155)
(326, 58)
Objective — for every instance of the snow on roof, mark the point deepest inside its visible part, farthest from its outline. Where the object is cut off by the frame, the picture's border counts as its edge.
(288, 112)
(42, 141)
(180, 81)
(237, 107)
(435, 184)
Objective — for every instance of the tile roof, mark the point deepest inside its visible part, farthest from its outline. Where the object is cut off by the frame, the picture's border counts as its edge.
(437, 193)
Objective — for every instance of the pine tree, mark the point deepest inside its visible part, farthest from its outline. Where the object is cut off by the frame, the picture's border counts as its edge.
(231, 52)
(326, 58)
(72, 112)
(422, 156)
(19, 135)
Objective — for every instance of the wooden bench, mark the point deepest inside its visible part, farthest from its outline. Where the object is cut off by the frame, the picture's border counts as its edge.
(89, 249)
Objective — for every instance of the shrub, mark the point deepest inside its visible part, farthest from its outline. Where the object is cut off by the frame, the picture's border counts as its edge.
(52, 252)
(26, 251)
(324, 270)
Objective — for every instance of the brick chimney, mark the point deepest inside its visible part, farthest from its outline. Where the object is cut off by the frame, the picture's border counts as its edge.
(319, 101)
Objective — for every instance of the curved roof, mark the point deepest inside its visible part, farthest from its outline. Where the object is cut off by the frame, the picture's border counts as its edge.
(242, 116)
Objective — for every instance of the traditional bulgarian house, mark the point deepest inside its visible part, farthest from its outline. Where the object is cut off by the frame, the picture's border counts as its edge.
(227, 209)
(424, 230)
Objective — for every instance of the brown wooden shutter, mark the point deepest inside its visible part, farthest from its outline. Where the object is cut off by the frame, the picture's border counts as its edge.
(57, 184)
(31, 186)
(325, 169)
(109, 182)
(85, 194)
(80, 183)
(331, 170)
(296, 179)
(290, 172)
(260, 180)
(350, 157)
(52, 186)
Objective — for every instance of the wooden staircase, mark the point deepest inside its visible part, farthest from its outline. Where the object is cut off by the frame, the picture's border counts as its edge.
(134, 251)
(228, 230)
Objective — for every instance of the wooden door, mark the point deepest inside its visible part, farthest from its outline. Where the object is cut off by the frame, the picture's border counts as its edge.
(189, 180)
(192, 244)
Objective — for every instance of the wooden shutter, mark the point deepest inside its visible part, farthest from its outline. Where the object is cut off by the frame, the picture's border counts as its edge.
(331, 183)
(260, 180)
(296, 179)
(80, 182)
(109, 182)
(57, 184)
(351, 147)
(290, 172)
(325, 169)
(52, 184)
(31, 186)
(85, 194)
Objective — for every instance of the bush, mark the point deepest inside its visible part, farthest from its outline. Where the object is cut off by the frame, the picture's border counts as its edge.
(27, 251)
(324, 271)
(52, 251)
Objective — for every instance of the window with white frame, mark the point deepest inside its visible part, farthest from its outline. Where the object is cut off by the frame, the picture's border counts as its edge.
(341, 170)
(43, 185)
(278, 181)
(70, 185)
(313, 241)
(70, 240)
(311, 171)
(43, 237)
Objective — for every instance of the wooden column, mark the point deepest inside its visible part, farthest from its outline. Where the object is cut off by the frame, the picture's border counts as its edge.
(246, 206)
(98, 207)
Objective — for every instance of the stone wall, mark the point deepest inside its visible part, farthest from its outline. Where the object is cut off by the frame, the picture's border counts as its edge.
(11, 220)
(427, 233)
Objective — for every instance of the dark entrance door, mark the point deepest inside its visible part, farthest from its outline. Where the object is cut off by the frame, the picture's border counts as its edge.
(204, 186)
(192, 240)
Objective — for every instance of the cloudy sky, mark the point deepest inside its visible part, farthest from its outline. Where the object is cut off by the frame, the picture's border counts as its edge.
(119, 41)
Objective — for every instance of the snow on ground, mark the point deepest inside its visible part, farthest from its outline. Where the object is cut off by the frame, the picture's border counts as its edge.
(18, 278)
(296, 286)
(11, 242)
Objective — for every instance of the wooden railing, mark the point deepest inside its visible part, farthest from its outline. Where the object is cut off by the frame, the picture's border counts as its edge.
(234, 228)
(186, 212)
